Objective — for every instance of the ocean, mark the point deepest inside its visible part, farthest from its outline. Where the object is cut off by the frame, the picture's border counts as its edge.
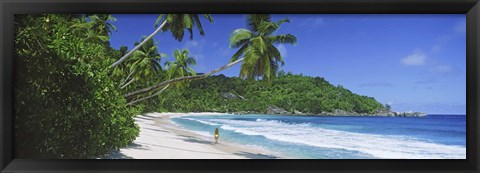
(340, 137)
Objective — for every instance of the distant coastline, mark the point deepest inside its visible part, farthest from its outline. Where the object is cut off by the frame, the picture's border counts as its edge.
(274, 110)
(162, 138)
(367, 137)
(289, 94)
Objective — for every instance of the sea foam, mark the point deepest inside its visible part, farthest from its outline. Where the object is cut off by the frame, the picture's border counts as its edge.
(380, 146)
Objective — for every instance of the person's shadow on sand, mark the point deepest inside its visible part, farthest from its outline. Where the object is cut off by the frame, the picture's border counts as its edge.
(196, 140)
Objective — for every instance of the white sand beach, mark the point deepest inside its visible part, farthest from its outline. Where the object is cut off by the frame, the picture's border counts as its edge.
(161, 139)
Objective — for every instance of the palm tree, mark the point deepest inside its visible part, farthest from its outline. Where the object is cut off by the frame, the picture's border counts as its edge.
(98, 28)
(102, 23)
(176, 24)
(149, 51)
(92, 30)
(257, 46)
(181, 66)
(145, 63)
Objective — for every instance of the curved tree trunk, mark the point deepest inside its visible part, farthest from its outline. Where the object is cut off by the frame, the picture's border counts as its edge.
(128, 83)
(139, 45)
(167, 82)
(148, 97)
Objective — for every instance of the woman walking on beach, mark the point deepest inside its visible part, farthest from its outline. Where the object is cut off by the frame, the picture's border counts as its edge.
(216, 135)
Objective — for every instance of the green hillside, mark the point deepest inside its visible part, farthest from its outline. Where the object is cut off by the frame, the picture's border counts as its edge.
(296, 94)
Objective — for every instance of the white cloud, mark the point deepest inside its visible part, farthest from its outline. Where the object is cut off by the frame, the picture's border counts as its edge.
(416, 59)
(283, 50)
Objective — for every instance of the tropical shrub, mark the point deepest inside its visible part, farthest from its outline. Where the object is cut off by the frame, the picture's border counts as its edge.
(66, 103)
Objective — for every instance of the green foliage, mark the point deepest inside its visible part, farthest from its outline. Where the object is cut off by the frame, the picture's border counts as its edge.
(312, 95)
(177, 23)
(66, 103)
(145, 62)
(257, 46)
(181, 66)
(70, 104)
(102, 25)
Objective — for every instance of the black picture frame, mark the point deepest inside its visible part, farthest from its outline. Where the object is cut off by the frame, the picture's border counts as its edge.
(8, 8)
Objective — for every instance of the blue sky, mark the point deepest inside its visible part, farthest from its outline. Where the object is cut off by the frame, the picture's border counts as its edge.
(412, 62)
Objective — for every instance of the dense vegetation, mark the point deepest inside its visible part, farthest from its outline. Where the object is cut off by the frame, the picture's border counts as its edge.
(66, 104)
(313, 95)
(76, 97)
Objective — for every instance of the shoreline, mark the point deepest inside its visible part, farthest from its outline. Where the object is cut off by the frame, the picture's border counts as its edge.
(162, 138)
(159, 138)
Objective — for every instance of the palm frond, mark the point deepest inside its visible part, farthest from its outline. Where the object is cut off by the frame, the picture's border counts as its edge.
(168, 64)
(283, 39)
(240, 37)
(284, 20)
(191, 72)
(254, 20)
(159, 18)
(197, 22)
(191, 61)
(187, 21)
(209, 18)
(239, 53)
(267, 28)
(259, 44)
(112, 27)
(139, 54)
(171, 67)
(177, 54)
(178, 23)
(275, 55)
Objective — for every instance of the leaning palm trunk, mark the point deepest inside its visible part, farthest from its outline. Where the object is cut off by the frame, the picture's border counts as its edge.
(148, 97)
(128, 83)
(196, 77)
(139, 45)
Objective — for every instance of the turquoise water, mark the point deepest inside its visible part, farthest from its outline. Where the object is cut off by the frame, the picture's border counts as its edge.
(313, 137)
